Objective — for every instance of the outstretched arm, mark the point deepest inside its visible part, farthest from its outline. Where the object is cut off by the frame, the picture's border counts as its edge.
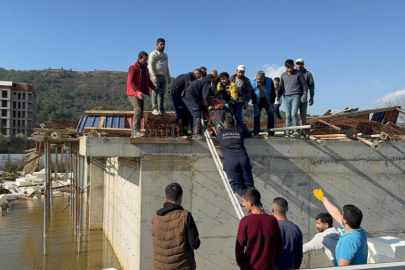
(332, 210)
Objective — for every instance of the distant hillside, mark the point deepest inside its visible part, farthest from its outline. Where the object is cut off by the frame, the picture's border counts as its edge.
(66, 94)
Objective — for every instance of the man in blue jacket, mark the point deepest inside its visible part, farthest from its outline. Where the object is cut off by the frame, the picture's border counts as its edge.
(263, 97)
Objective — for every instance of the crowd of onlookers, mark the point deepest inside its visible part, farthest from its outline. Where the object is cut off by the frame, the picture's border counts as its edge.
(214, 97)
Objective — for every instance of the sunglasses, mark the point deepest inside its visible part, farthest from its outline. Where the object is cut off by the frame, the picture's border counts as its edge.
(299, 63)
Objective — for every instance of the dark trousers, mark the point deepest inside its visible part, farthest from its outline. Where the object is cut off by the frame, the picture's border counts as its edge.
(239, 172)
(277, 111)
(158, 95)
(138, 105)
(258, 113)
(182, 113)
(194, 108)
(303, 115)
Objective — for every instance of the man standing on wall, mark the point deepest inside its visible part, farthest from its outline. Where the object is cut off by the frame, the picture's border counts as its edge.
(245, 91)
(327, 237)
(277, 102)
(299, 65)
(138, 84)
(259, 238)
(352, 246)
(159, 71)
(291, 257)
(175, 235)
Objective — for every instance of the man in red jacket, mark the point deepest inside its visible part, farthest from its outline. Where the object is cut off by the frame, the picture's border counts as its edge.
(259, 239)
(138, 85)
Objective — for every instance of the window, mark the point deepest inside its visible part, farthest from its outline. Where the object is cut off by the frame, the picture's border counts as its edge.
(14, 105)
(4, 112)
(19, 114)
(4, 103)
(19, 105)
(23, 114)
(23, 96)
(18, 123)
(13, 123)
(19, 95)
(3, 122)
(4, 94)
(23, 105)
(14, 114)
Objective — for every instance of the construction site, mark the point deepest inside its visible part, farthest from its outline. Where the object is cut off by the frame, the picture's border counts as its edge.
(114, 183)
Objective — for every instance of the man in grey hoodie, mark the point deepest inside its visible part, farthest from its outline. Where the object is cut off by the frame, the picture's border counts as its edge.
(294, 88)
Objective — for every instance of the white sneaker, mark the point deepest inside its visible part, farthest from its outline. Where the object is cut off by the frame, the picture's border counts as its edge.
(155, 112)
(137, 134)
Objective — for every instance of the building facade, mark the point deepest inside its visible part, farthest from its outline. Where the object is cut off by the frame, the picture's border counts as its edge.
(18, 108)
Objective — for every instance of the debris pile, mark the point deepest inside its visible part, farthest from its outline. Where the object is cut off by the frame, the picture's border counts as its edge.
(161, 126)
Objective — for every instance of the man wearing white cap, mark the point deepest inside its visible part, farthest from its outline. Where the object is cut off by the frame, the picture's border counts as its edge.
(299, 65)
(245, 91)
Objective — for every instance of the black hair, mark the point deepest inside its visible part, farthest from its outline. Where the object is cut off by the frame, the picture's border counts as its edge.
(142, 54)
(198, 70)
(224, 74)
(229, 122)
(277, 79)
(160, 40)
(174, 192)
(325, 218)
(352, 215)
(253, 195)
(289, 63)
(203, 71)
(282, 205)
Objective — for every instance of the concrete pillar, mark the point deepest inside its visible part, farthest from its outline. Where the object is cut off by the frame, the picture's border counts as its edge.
(97, 167)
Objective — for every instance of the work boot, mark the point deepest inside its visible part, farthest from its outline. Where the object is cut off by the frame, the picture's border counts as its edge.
(295, 135)
(162, 112)
(155, 112)
(197, 129)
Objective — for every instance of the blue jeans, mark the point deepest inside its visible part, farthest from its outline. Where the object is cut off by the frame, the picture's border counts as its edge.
(257, 114)
(239, 172)
(291, 105)
(237, 111)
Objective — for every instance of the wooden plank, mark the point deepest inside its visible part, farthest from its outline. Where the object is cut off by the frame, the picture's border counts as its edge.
(390, 124)
(147, 140)
(109, 130)
(391, 117)
(109, 113)
(328, 112)
(102, 122)
(61, 131)
(357, 113)
(128, 162)
(400, 110)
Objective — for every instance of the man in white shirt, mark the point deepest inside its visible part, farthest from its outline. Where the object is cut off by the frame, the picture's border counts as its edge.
(327, 237)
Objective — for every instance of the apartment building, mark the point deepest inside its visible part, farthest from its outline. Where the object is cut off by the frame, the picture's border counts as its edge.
(18, 108)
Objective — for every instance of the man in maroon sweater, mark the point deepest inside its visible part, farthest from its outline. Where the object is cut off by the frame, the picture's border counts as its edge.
(259, 237)
(138, 85)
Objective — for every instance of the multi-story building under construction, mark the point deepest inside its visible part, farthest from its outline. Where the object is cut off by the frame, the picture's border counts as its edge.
(18, 108)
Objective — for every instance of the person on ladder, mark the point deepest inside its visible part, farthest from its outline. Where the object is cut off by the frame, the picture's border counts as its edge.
(236, 160)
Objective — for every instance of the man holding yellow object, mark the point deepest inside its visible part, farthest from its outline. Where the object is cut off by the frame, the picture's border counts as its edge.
(352, 246)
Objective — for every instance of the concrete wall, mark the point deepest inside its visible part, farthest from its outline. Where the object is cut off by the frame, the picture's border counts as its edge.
(349, 173)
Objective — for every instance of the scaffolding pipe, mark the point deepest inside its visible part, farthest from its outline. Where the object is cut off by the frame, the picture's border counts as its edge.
(71, 173)
(46, 144)
(81, 164)
(311, 127)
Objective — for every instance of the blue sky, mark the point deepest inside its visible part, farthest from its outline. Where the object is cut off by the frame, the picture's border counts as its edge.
(355, 49)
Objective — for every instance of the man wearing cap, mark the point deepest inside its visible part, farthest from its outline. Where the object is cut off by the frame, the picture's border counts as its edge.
(245, 91)
(198, 92)
(159, 71)
(299, 65)
(294, 88)
(263, 98)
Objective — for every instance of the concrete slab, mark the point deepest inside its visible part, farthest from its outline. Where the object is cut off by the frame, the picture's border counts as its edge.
(3, 198)
(22, 183)
(388, 246)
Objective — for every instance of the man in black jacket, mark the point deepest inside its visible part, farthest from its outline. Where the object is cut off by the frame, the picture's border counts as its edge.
(198, 92)
(175, 234)
(177, 89)
(236, 160)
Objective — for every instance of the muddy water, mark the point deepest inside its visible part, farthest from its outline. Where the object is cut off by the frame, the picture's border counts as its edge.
(21, 241)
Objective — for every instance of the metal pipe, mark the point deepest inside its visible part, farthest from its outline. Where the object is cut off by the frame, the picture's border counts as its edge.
(321, 142)
(311, 127)
(373, 145)
(81, 159)
(46, 144)
(71, 173)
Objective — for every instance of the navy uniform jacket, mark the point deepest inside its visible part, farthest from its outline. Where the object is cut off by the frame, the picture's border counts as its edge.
(182, 82)
(199, 90)
(232, 143)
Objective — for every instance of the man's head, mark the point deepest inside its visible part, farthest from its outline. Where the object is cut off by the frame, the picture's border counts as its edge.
(260, 77)
(251, 198)
(204, 71)
(352, 216)
(142, 58)
(198, 73)
(279, 206)
(215, 74)
(276, 81)
(174, 193)
(229, 123)
(211, 78)
(299, 64)
(323, 221)
(161, 43)
(289, 65)
(224, 78)
(240, 71)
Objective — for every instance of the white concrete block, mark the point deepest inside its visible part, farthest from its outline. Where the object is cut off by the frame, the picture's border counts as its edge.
(32, 190)
(23, 183)
(3, 198)
(377, 258)
(39, 174)
(57, 194)
(388, 246)
(21, 179)
(11, 196)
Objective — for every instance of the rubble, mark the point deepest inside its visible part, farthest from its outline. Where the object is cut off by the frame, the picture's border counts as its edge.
(162, 126)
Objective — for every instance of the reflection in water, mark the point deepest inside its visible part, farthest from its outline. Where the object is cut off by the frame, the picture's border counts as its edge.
(21, 242)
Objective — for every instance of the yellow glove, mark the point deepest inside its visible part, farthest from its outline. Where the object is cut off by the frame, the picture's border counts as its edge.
(318, 193)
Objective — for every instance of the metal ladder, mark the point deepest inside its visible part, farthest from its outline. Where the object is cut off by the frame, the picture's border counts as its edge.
(218, 163)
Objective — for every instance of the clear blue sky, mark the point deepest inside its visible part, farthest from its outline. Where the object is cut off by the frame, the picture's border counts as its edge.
(355, 49)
